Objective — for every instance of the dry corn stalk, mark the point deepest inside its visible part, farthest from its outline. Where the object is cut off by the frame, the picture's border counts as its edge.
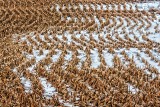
(40, 39)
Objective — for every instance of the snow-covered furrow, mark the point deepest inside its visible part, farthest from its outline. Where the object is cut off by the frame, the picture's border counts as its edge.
(147, 5)
(129, 5)
(68, 57)
(122, 58)
(132, 89)
(27, 84)
(108, 58)
(154, 37)
(50, 91)
(95, 59)
(155, 54)
(56, 56)
(132, 54)
(82, 57)
(152, 63)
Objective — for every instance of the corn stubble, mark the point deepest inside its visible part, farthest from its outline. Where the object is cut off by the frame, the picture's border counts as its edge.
(24, 22)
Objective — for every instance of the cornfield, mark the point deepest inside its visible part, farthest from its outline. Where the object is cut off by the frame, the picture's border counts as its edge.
(79, 53)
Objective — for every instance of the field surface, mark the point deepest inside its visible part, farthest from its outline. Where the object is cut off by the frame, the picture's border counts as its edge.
(79, 53)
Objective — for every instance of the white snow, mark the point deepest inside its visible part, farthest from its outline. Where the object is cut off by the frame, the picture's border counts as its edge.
(56, 57)
(108, 58)
(152, 63)
(27, 84)
(95, 59)
(132, 89)
(48, 88)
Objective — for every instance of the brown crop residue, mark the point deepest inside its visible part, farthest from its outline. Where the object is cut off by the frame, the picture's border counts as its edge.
(92, 56)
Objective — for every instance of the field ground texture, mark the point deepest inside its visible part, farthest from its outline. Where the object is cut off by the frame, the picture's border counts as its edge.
(80, 53)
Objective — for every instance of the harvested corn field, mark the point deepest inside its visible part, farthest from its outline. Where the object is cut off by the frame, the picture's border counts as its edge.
(79, 53)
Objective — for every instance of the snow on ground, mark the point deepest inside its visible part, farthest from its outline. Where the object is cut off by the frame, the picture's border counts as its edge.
(27, 84)
(108, 58)
(151, 62)
(95, 59)
(132, 89)
(49, 90)
(148, 5)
